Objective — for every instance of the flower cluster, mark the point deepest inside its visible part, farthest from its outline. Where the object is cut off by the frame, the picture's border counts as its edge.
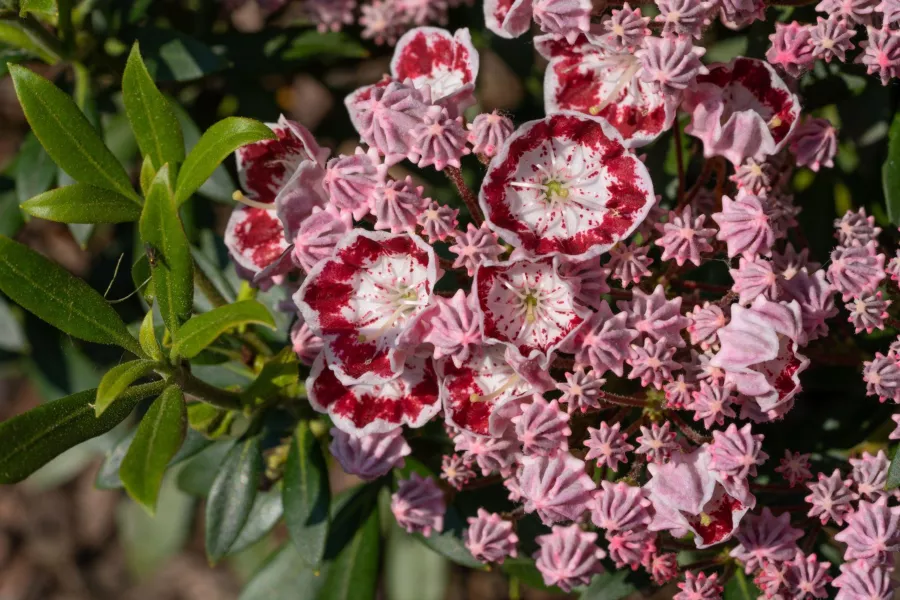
(549, 320)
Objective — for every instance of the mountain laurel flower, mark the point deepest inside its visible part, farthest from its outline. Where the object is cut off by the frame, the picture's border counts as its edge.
(807, 577)
(629, 262)
(603, 341)
(439, 140)
(765, 538)
(684, 17)
(456, 471)
(754, 278)
(872, 532)
(794, 467)
(672, 63)
(438, 222)
(330, 15)
(620, 507)
(857, 12)
(489, 453)
(867, 313)
(490, 538)
(568, 557)
(542, 428)
(656, 316)
(705, 321)
(736, 452)
(381, 22)
(814, 144)
(662, 567)
(451, 325)
(830, 498)
(856, 227)
(652, 363)
(684, 238)
(712, 403)
(567, 18)
(861, 581)
(607, 445)
(890, 11)
(895, 434)
(745, 225)
(792, 49)
(754, 177)
(856, 270)
(508, 19)
(354, 181)
(830, 38)
(582, 390)
(556, 487)
(369, 456)
(678, 393)
(318, 236)
(306, 345)
(419, 505)
(882, 377)
(656, 442)
(816, 299)
(488, 132)
(881, 53)
(699, 586)
(399, 205)
(626, 28)
(475, 246)
(869, 475)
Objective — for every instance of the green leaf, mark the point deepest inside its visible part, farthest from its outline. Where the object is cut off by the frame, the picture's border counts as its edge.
(231, 497)
(220, 185)
(172, 267)
(893, 477)
(403, 556)
(12, 337)
(147, 338)
(202, 330)
(284, 577)
(12, 33)
(198, 474)
(524, 570)
(108, 475)
(890, 172)
(354, 573)
(214, 146)
(118, 379)
(153, 121)
(67, 136)
(173, 56)
(211, 421)
(35, 171)
(609, 586)
(46, 7)
(449, 542)
(322, 45)
(266, 512)
(82, 203)
(58, 297)
(32, 439)
(158, 438)
(306, 496)
(738, 588)
(279, 372)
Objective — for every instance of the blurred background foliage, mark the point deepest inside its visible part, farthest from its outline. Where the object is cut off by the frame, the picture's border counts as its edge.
(61, 538)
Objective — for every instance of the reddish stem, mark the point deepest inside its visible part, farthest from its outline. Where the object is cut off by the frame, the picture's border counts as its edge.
(687, 430)
(623, 400)
(455, 175)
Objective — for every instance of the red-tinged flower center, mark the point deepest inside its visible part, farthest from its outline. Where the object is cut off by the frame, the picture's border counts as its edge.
(390, 292)
(715, 522)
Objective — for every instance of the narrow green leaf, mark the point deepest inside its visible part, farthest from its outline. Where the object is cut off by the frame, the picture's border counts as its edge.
(202, 330)
(171, 265)
(82, 203)
(153, 121)
(58, 297)
(739, 588)
(217, 143)
(118, 379)
(147, 338)
(67, 136)
(231, 497)
(35, 171)
(12, 336)
(279, 372)
(108, 475)
(449, 542)
(219, 186)
(318, 45)
(147, 175)
(893, 478)
(158, 438)
(266, 512)
(306, 495)
(12, 33)
(209, 420)
(354, 573)
(890, 172)
(172, 55)
(525, 571)
(609, 586)
(284, 577)
(46, 7)
(33, 439)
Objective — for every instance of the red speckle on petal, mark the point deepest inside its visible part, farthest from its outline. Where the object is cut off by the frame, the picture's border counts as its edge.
(265, 164)
(259, 237)
(784, 383)
(426, 52)
(460, 384)
(720, 521)
(502, 9)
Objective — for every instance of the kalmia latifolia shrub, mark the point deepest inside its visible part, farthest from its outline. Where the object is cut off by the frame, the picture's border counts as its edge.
(557, 373)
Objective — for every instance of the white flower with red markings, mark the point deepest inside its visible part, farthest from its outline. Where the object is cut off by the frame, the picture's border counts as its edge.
(363, 297)
(567, 185)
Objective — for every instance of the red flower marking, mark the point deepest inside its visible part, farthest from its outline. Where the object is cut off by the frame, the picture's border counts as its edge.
(255, 237)
(717, 524)
(265, 165)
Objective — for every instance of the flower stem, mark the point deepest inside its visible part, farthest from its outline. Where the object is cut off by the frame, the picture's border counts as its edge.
(455, 175)
(623, 400)
(208, 393)
(687, 430)
(679, 158)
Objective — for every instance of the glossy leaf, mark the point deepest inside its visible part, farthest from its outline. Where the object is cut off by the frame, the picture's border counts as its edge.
(740, 588)
(893, 477)
(118, 379)
(59, 298)
(147, 338)
(67, 136)
(198, 474)
(266, 512)
(153, 121)
(306, 496)
(108, 475)
(32, 439)
(609, 586)
(219, 186)
(47, 7)
(82, 203)
(318, 45)
(202, 330)
(171, 55)
(284, 577)
(158, 438)
(890, 172)
(279, 372)
(13, 34)
(171, 264)
(354, 573)
(12, 336)
(214, 146)
(35, 171)
(231, 497)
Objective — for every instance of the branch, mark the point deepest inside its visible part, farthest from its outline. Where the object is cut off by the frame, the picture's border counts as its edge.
(455, 175)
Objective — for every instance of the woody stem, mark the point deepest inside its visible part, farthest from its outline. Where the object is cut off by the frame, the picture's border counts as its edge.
(455, 175)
